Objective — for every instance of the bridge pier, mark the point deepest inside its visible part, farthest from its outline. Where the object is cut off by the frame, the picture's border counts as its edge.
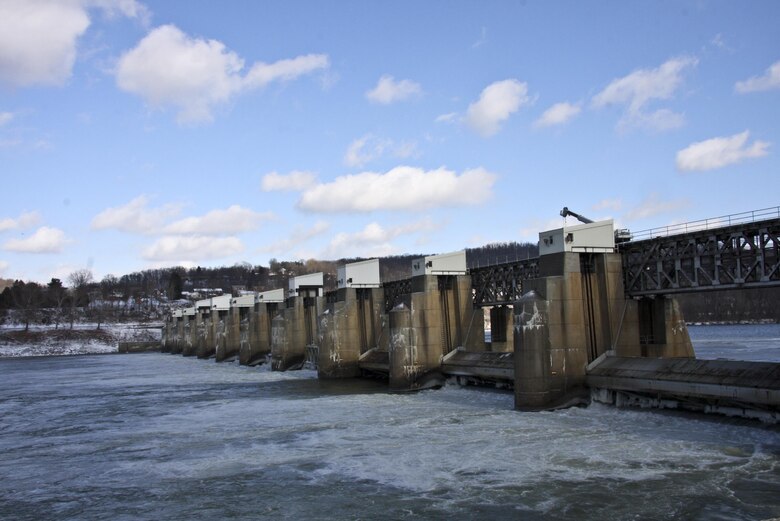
(178, 337)
(440, 318)
(351, 323)
(256, 342)
(349, 326)
(167, 335)
(576, 310)
(220, 322)
(190, 332)
(205, 344)
(295, 328)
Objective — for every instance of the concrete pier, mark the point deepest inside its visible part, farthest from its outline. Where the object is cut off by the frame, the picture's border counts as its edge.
(241, 309)
(166, 339)
(351, 322)
(190, 340)
(439, 318)
(577, 310)
(295, 328)
(224, 324)
(256, 342)
(205, 344)
(178, 336)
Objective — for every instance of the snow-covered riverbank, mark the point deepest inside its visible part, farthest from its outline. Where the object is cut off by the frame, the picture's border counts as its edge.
(82, 339)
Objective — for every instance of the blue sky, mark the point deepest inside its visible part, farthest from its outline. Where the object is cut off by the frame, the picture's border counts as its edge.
(148, 134)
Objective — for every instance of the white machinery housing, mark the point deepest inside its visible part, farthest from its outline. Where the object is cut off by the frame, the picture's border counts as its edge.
(596, 237)
(363, 274)
(274, 295)
(445, 264)
(312, 281)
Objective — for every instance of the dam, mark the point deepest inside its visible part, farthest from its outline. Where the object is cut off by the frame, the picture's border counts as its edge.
(593, 317)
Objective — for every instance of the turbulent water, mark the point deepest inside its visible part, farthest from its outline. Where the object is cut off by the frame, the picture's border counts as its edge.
(156, 436)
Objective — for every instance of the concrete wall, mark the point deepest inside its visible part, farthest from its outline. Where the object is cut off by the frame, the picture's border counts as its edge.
(348, 327)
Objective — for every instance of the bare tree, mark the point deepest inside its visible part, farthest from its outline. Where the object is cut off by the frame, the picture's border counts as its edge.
(57, 296)
(79, 280)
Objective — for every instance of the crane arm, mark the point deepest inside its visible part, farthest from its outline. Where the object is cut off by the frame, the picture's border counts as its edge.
(566, 213)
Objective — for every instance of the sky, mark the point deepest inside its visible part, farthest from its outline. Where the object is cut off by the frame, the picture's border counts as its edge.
(143, 134)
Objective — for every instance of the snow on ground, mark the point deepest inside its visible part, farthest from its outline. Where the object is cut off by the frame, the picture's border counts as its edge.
(84, 338)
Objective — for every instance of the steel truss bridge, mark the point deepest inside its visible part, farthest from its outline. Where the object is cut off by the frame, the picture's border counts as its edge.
(731, 252)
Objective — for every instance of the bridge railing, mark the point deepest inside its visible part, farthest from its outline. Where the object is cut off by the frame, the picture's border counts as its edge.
(707, 224)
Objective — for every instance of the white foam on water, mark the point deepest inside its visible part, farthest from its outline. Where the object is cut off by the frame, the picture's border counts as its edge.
(175, 418)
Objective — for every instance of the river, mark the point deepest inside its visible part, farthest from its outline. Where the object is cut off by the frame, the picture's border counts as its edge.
(157, 436)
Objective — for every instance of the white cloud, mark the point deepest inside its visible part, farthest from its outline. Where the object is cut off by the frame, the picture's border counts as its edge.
(638, 89)
(192, 248)
(402, 188)
(44, 240)
(653, 205)
(719, 152)
(373, 239)
(195, 75)
(295, 181)
(297, 237)
(364, 150)
(388, 90)
(768, 81)
(3, 267)
(497, 102)
(24, 221)
(450, 117)
(558, 114)
(369, 148)
(38, 38)
(6, 117)
(135, 217)
(234, 219)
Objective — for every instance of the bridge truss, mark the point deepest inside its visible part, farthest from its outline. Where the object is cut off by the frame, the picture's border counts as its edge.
(739, 256)
(502, 283)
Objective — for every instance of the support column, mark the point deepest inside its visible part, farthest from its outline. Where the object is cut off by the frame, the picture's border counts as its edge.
(349, 326)
(190, 335)
(288, 337)
(176, 348)
(442, 318)
(255, 335)
(205, 345)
